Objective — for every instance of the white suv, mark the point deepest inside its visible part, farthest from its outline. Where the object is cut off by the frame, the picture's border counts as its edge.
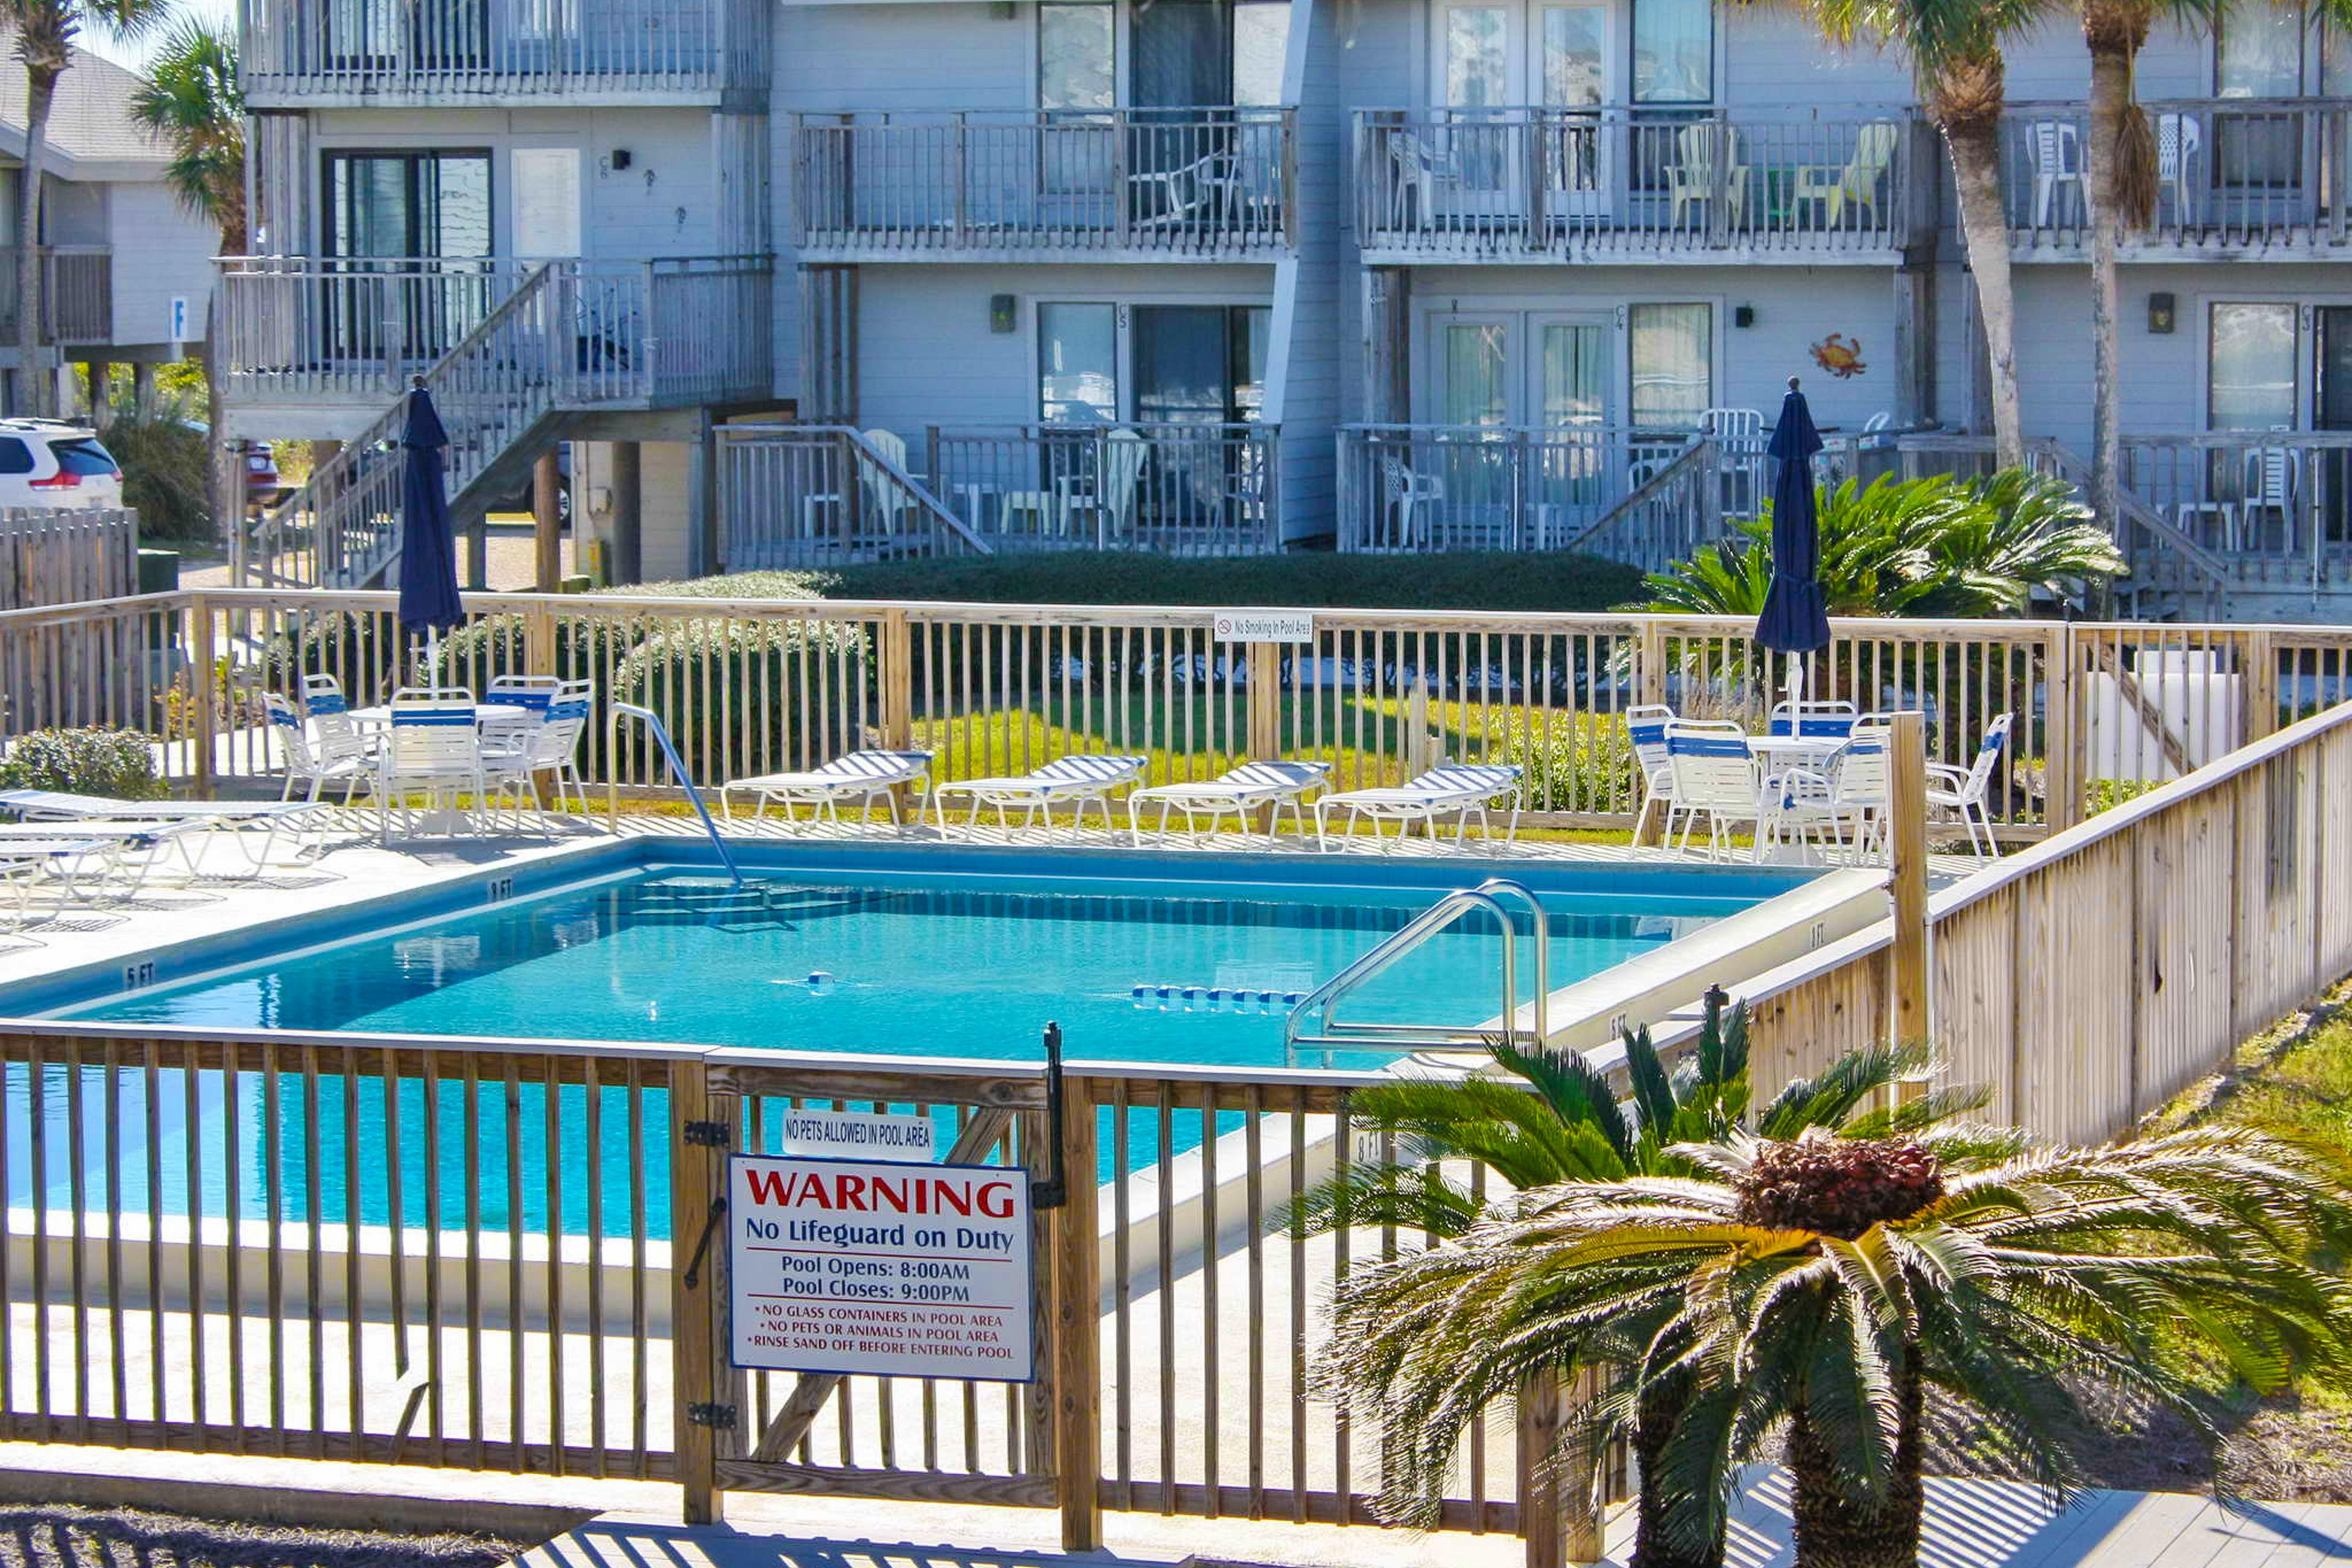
(54, 463)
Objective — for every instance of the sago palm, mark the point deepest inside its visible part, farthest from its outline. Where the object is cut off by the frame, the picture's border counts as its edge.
(43, 43)
(1807, 1293)
(1551, 1116)
(1955, 50)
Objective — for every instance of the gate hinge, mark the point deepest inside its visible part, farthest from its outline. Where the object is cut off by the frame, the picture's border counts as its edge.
(707, 1134)
(710, 1415)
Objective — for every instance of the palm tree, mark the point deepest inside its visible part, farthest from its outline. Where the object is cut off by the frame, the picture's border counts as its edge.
(191, 101)
(1808, 1291)
(1955, 50)
(45, 32)
(1572, 1129)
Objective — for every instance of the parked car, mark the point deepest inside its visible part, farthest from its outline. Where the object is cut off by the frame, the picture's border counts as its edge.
(57, 464)
(263, 488)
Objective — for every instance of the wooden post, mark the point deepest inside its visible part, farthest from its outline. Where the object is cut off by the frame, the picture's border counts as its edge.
(1077, 1330)
(1559, 1522)
(895, 680)
(1651, 671)
(538, 640)
(1907, 829)
(547, 523)
(2260, 657)
(2061, 779)
(628, 516)
(695, 1350)
(1264, 666)
(200, 614)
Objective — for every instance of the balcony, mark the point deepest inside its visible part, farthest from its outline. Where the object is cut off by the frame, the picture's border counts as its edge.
(1162, 184)
(1613, 183)
(310, 54)
(2236, 178)
(310, 331)
(77, 294)
(799, 496)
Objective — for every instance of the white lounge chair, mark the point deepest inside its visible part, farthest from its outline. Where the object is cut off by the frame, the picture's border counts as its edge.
(864, 776)
(1964, 792)
(108, 849)
(1240, 791)
(220, 815)
(1077, 778)
(1454, 789)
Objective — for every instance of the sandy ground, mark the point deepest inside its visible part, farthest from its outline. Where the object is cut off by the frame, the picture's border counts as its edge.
(111, 1538)
(511, 561)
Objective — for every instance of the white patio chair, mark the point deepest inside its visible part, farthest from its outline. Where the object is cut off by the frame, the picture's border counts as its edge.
(885, 502)
(531, 693)
(431, 748)
(1414, 499)
(333, 732)
(1449, 789)
(1738, 435)
(1239, 791)
(1412, 192)
(862, 776)
(118, 856)
(1646, 723)
(1965, 792)
(1079, 779)
(1846, 797)
(2057, 148)
(1856, 181)
(308, 765)
(1691, 176)
(2269, 488)
(2178, 138)
(1820, 717)
(1715, 776)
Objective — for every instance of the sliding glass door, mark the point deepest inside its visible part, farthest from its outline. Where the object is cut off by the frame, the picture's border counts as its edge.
(422, 221)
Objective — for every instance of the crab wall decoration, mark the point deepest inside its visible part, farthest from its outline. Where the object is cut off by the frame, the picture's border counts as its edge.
(1840, 355)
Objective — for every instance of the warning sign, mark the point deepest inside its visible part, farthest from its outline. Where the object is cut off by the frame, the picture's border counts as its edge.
(895, 1270)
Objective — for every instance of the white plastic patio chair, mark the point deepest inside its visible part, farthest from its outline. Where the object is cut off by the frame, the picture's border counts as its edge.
(1856, 181)
(1414, 499)
(1239, 791)
(862, 776)
(1846, 799)
(308, 765)
(1454, 789)
(1715, 775)
(1077, 778)
(2178, 138)
(431, 748)
(2269, 488)
(1965, 792)
(1646, 723)
(1691, 176)
(2057, 147)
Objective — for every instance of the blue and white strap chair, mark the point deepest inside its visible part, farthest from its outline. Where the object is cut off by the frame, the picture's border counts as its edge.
(308, 765)
(1240, 791)
(432, 750)
(1646, 723)
(1965, 792)
(1077, 778)
(1845, 801)
(334, 734)
(1715, 775)
(1449, 789)
(864, 776)
(1813, 719)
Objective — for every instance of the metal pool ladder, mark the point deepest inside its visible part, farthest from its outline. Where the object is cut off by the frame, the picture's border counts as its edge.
(677, 767)
(1330, 1034)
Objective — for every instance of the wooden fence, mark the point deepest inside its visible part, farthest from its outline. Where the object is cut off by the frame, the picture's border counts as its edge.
(2103, 712)
(2094, 977)
(471, 1254)
(57, 557)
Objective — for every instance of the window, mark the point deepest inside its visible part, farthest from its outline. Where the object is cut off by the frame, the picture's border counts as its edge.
(84, 457)
(408, 204)
(2258, 53)
(1673, 352)
(2250, 364)
(16, 457)
(1477, 361)
(1261, 44)
(1077, 364)
(1674, 51)
(1477, 67)
(1575, 56)
(1075, 68)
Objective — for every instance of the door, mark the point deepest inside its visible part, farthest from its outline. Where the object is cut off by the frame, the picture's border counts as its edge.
(1525, 85)
(2331, 407)
(412, 233)
(1576, 468)
(1574, 51)
(1535, 391)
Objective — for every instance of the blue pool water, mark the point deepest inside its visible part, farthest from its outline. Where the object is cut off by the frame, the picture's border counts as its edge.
(909, 955)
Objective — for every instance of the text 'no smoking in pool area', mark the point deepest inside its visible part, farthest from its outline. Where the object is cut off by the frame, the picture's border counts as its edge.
(874, 1266)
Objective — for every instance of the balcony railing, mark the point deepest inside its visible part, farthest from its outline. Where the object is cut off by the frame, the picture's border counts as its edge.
(1466, 183)
(2274, 506)
(1170, 182)
(674, 329)
(301, 51)
(1413, 488)
(76, 293)
(1170, 489)
(2232, 174)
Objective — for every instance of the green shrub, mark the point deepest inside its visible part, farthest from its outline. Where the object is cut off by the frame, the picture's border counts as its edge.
(743, 585)
(1466, 581)
(363, 649)
(1582, 762)
(742, 698)
(166, 472)
(92, 761)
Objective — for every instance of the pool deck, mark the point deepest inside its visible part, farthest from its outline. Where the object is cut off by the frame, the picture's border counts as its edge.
(226, 894)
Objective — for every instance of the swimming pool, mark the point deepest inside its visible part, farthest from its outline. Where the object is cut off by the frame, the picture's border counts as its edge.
(873, 951)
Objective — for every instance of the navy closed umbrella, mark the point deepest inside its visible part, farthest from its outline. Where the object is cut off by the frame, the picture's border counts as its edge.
(428, 545)
(1796, 618)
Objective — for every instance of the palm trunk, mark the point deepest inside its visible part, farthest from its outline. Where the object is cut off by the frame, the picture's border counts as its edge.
(1975, 151)
(1662, 1409)
(2109, 31)
(1831, 1531)
(36, 391)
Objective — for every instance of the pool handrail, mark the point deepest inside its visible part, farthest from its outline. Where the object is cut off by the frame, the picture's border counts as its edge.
(677, 767)
(1487, 895)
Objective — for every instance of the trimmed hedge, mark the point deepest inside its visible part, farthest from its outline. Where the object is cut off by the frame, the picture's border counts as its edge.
(780, 686)
(88, 760)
